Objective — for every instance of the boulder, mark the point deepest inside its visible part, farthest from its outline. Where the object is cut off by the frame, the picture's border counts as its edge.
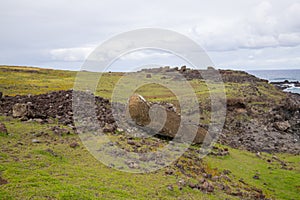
(3, 128)
(282, 126)
(20, 110)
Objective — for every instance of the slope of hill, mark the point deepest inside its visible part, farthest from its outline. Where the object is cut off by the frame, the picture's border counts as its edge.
(42, 157)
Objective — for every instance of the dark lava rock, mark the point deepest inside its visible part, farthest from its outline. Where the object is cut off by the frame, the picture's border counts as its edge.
(256, 176)
(56, 105)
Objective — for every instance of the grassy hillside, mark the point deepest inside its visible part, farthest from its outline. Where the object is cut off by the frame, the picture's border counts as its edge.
(52, 169)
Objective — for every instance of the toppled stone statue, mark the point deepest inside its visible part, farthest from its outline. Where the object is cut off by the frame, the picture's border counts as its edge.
(163, 119)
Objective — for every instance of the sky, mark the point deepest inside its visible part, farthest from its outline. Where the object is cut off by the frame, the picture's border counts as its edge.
(60, 34)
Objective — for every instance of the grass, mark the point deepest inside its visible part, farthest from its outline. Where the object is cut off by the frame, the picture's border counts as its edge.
(34, 172)
(275, 181)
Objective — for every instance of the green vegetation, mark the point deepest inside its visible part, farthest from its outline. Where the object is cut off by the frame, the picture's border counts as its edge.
(275, 180)
(52, 169)
(23, 80)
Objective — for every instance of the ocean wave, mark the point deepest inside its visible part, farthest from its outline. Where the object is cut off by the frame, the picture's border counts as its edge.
(293, 90)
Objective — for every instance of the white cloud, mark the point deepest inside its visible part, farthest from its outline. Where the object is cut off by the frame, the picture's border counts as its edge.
(145, 54)
(71, 54)
(63, 28)
(263, 27)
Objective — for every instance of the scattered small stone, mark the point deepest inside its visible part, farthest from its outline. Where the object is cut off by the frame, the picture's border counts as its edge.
(35, 141)
(120, 130)
(282, 126)
(225, 177)
(226, 171)
(209, 176)
(39, 120)
(39, 134)
(108, 128)
(132, 164)
(170, 187)
(50, 121)
(192, 185)
(256, 176)
(131, 142)
(182, 182)
(202, 181)
(74, 145)
(215, 178)
(169, 172)
(206, 186)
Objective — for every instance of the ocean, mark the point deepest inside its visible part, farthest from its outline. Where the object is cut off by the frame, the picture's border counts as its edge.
(279, 76)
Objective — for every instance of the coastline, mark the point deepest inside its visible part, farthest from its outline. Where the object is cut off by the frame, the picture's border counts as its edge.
(286, 80)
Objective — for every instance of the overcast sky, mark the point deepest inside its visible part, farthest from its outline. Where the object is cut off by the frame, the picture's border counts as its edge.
(241, 34)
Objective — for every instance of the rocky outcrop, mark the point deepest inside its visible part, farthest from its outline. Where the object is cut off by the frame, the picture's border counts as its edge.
(54, 105)
(226, 75)
(277, 130)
